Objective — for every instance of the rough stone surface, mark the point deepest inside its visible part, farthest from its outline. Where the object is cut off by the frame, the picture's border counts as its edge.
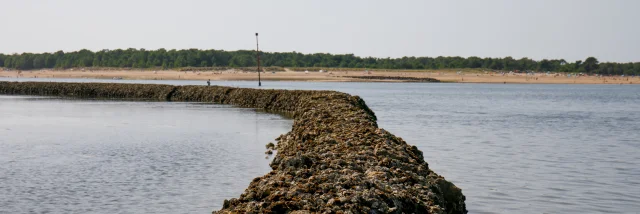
(334, 160)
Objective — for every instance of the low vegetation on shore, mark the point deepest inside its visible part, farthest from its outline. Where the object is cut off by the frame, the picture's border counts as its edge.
(334, 159)
(211, 59)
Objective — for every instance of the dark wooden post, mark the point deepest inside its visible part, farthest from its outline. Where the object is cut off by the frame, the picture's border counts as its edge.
(258, 53)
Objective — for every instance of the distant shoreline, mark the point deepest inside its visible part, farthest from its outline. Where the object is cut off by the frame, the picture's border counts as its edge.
(450, 76)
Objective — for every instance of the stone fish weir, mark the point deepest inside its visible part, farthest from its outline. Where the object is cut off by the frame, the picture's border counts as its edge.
(334, 160)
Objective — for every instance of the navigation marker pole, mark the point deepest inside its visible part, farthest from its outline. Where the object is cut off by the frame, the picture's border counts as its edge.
(258, 53)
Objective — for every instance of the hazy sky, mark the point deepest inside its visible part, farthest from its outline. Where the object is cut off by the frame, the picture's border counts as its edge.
(569, 29)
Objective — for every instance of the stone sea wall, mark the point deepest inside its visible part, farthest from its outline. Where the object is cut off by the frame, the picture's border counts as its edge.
(402, 79)
(335, 159)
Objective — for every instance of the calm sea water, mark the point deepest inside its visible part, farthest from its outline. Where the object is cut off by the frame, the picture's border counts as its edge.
(511, 148)
(80, 156)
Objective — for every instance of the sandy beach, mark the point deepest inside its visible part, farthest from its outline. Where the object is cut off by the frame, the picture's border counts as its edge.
(332, 76)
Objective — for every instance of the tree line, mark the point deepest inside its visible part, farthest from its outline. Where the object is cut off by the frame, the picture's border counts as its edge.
(173, 59)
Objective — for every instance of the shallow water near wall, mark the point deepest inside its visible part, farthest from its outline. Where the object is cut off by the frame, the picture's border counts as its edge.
(511, 148)
(99, 156)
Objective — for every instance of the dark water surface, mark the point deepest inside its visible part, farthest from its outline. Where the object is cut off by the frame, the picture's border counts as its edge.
(511, 148)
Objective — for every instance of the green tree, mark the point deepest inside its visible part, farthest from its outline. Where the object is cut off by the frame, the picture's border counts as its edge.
(7, 63)
(544, 65)
(164, 65)
(180, 62)
(509, 63)
(590, 64)
(38, 62)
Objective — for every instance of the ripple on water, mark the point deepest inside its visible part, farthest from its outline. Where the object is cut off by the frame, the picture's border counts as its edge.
(139, 157)
(511, 148)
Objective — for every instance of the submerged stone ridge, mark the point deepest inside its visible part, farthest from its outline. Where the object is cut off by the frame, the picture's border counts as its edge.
(399, 78)
(334, 160)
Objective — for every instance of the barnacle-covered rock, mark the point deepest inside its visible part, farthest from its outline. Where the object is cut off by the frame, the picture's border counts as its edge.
(270, 145)
(89, 90)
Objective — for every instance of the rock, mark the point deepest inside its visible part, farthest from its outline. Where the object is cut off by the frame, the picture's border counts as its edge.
(270, 146)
